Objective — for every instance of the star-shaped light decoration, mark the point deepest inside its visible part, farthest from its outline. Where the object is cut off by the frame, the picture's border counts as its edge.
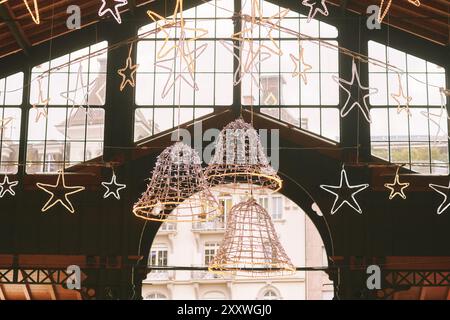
(5, 122)
(401, 95)
(386, 5)
(59, 193)
(128, 72)
(7, 186)
(346, 108)
(180, 54)
(113, 188)
(84, 105)
(345, 187)
(315, 7)
(112, 6)
(437, 118)
(173, 76)
(397, 188)
(35, 16)
(41, 106)
(300, 66)
(442, 190)
(239, 75)
(252, 26)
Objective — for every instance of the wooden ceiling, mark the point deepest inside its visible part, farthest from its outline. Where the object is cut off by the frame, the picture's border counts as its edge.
(431, 20)
(19, 32)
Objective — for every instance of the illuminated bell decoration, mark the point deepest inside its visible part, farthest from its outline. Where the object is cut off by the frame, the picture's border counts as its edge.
(239, 164)
(178, 191)
(251, 247)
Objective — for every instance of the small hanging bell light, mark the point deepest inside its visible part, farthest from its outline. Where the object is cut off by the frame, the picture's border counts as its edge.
(239, 164)
(251, 247)
(178, 191)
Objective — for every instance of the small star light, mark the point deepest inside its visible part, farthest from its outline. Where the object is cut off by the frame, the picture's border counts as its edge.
(7, 186)
(300, 66)
(347, 188)
(401, 95)
(59, 193)
(128, 72)
(107, 7)
(79, 85)
(112, 187)
(35, 15)
(41, 111)
(397, 188)
(385, 9)
(437, 118)
(253, 25)
(316, 6)
(443, 190)
(346, 109)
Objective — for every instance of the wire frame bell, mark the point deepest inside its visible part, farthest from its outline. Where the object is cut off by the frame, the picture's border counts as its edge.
(251, 247)
(239, 164)
(178, 191)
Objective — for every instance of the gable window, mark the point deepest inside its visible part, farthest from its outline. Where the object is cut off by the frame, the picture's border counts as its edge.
(66, 118)
(418, 137)
(158, 91)
(10, 116)
(308, 101)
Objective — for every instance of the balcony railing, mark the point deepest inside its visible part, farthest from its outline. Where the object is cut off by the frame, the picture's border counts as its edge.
(160, 275)
(215, 225)
(168, 227)
(206, 275)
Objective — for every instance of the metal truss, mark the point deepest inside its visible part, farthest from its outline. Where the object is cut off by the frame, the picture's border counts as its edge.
(34, 276)
(416, 278)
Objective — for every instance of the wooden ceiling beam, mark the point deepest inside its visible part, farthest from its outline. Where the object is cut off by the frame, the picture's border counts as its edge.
(8, 18)
(2, 293)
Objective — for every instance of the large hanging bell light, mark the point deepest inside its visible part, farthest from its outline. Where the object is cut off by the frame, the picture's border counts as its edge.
(239, 164)
(251, 247)
(178, 191)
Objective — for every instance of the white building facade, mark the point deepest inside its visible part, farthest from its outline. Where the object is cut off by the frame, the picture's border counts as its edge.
(195, 244)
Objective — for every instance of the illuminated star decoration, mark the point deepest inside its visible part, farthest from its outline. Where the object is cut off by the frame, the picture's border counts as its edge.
(41, 111)
(351, 201)
(439, 117)
(346, 108)
(316, 6)
(401, 95)
(300, 66)
(174, 76)
(180, 53)
(35, 15)
(443, 190)
(55, 193)
(239, 75)
(397, 188)
(107, 7)
(127, 73)
(113, 188)
(4, 122)
(79, 85)
(384, 10)
(256, 21)
(7, 186)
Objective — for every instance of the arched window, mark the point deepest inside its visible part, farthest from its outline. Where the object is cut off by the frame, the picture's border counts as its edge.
(270, 295)
(155, 296)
